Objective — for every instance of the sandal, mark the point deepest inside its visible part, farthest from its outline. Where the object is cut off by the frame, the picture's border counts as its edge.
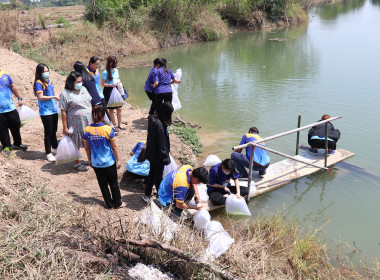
(121, 128)
(80, 167)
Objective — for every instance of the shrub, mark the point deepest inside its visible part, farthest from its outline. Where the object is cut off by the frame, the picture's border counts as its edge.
(189, 136)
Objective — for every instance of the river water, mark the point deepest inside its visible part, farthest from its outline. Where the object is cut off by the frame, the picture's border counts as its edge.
(331, 65)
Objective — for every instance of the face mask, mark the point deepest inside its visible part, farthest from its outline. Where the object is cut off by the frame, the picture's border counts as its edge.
(78, 86)
(45, 75)
(225, 172)
(114, 66)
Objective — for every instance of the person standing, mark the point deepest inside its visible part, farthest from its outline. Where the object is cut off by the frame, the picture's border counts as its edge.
(47, 107)
(88, 82)
(261, 159)
(75, 104)
(103, 157)
(162, 86)
(152, 78)
(219, 182)
(110, 79)
(92, 68)
(157, 147)
(9, 118)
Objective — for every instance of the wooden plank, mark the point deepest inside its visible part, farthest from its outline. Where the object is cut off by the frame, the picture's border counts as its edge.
(283, 172)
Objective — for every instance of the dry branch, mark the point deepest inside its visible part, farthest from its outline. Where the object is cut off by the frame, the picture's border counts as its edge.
(146, 241)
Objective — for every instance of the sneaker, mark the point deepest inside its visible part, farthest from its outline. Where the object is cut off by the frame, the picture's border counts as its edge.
(331, 152)
(54, 151)
(21, 147)
(50, 157)
(7, 151)
(80, 167)
(313, 152)
(145, 198)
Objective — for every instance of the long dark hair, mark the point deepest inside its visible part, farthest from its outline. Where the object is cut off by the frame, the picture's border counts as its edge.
(80, 68)
(164, 113)
(163, 60)
(142, 157)
(157, 61)
(93, 59)
(71, 79)
(98, 113)
(111, 60)
(39, 70)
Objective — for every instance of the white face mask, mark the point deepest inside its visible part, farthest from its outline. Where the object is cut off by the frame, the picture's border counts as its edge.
(225, 172)
(78, 86)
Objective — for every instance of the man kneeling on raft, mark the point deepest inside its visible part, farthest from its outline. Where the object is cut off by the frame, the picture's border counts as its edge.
(219, 182)
(180, 186)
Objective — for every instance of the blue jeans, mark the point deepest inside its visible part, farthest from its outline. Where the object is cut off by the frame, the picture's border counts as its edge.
(241, 163)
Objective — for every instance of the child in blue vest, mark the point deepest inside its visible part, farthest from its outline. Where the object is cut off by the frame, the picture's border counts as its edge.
(103, 156)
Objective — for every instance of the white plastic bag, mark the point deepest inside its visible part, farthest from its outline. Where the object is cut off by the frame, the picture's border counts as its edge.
(170, 167)
(107, 120)
(219, 244)
(58, 108)
(158, 221)
(236, 206)
(115, 99)
(175, 101)
(252, 190)
(212, 160)
(26, 114)
(201, 218)
(67, 151)
(202, 190)
(211, 228)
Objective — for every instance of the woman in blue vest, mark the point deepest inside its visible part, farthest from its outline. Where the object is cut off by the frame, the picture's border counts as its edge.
(162, 86)
(44, 90)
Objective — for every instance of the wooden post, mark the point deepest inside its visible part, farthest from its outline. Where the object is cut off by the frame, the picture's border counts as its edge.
(250, 173)
(298, 134)
(326, 144)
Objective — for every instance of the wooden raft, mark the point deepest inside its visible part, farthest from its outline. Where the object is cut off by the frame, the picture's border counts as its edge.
(286, 171)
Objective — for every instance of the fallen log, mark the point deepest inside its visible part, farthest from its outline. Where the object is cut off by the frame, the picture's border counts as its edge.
(146, 241)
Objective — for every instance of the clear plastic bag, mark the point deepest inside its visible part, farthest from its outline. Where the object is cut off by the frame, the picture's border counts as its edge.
(212, 160)
(170, 167)
(201, 218)
(116, 100)
(67, 151)
(219, 244)
(175, 101)
(26, 114)
(107, 120)
(58, 108)
(202, 190)
(236, 206)
(211, 228)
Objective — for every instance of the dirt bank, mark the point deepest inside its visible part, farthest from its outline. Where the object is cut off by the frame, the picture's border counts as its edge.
(81, 186)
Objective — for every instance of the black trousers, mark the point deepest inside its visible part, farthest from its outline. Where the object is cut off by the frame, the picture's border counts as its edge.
(158, 99)
(108, 177)
(320, 144)
(189, 196)
(11, 121)
(104, 105)
(154, 177)
(150, 95)
(50, 123)
(217, 196)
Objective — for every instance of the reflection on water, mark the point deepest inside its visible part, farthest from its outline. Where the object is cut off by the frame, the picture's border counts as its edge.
(329, 66)
(332, 11)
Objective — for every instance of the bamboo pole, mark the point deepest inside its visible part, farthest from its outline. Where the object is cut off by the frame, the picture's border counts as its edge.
(285, 155)
(250, 174)
(286, 133)
(298, 134)
(326, 144)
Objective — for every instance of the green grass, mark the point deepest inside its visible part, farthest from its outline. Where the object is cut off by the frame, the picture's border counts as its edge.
(189, 136)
